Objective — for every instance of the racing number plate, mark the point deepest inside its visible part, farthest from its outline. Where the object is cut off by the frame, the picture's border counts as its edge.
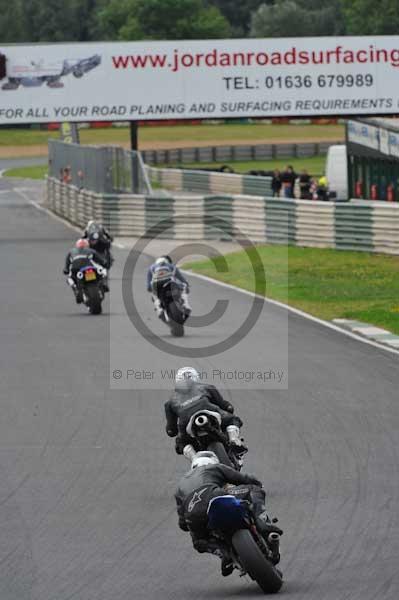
(90, 275)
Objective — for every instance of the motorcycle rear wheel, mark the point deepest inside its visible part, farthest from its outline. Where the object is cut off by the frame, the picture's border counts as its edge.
(93, 300)
(255, 563)
(176, 320)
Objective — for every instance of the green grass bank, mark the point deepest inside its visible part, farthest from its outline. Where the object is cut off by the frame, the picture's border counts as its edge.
(325, 283)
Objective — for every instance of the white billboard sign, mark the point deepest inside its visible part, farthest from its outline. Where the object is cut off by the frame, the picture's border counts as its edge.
(200, 79)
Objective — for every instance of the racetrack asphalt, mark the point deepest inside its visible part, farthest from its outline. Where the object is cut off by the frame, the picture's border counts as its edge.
(87, 473)
(15, 163)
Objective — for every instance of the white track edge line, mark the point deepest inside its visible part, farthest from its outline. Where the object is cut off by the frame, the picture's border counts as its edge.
(298, 312)
(287, 307)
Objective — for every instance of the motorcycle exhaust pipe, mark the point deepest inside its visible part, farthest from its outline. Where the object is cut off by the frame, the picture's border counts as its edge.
(274, 542)
(201, 421)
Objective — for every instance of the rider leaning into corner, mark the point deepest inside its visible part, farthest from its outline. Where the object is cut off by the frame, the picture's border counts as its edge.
(209, 479)
(162, 270)
(81, 256)
(191, 396)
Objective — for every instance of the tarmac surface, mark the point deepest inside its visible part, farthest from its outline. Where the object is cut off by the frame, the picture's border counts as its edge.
(14, 163)
(87, 474)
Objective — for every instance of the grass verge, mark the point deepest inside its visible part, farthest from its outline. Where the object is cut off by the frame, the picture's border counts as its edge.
(246, 133)
(34, 172)
(326, 283)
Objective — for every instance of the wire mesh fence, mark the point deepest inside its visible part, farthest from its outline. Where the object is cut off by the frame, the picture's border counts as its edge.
(101, 169)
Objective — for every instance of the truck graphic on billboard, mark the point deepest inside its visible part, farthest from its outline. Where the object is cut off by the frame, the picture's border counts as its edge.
(35, 73)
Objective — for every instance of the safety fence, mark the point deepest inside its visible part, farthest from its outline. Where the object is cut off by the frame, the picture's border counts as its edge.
(208, 154)
(103, 169)
(209, 182)
(355, 225)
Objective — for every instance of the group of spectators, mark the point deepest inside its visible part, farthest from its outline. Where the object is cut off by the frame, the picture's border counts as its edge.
(288, 184)
(66, 176)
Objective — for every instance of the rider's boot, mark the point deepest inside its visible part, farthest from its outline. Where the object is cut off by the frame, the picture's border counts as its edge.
(184, 297)
(105, 284)
(77, 291)
(206, 545)
(236, 440)
(189, 452)
(226, 566)
(158, 307)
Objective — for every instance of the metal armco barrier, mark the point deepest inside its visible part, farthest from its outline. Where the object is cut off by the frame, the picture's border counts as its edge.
(370, 226)
(209, 154)
(210, 182)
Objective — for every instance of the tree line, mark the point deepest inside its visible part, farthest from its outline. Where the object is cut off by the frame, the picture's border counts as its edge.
(24, 21)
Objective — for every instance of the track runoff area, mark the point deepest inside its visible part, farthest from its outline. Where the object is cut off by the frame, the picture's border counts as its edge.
(88, 474)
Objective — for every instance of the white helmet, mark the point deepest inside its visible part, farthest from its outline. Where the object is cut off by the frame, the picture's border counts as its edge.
(206, 457)
(161, 261)
(185, 373)
(185, 378)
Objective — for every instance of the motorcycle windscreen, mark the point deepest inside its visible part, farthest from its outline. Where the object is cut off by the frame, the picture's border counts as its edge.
(226, 513)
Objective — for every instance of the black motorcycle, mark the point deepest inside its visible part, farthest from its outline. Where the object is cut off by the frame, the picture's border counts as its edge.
(204, 427)
(175, 314)
(232, 521)
(90, 283)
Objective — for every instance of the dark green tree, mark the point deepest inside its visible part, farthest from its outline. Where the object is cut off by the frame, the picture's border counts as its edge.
(292, 18)
(11, 29)
(364, 17)
(239, 13)
(160, 20)
(110, 17)
(26, 21)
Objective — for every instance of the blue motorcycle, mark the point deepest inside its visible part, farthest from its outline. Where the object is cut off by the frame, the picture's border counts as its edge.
(232, 522)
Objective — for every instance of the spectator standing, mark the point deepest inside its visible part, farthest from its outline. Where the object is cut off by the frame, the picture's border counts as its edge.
(304, 185)
(67, 176)
(322, 188)
(276, 183)
(288, 178)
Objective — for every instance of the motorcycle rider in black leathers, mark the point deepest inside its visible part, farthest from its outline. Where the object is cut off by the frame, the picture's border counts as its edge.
(209, 479)
(191, 396)
(100, 240)
(80, 256)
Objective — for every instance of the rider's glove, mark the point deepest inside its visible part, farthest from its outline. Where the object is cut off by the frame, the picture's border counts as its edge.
(230, 408)
(254, 480)
(65, 271)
